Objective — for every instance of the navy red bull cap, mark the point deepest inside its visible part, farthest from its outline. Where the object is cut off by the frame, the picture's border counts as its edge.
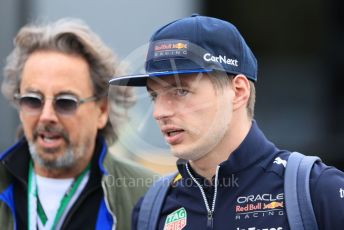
(195, 44)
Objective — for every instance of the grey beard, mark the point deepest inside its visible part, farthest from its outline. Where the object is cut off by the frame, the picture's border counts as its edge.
(66, 161)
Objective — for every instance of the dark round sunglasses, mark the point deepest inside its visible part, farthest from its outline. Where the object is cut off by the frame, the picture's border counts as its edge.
(32, 103)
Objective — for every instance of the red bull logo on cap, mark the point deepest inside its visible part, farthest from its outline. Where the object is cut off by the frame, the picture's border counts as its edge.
(170, 46)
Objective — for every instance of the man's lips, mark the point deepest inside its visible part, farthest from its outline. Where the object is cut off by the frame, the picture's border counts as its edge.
(173, 135)
(49, 140)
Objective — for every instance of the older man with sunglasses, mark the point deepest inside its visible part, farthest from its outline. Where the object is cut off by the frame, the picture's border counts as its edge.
(59, 175)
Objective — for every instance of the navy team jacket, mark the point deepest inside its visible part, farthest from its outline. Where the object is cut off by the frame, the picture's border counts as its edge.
(250, 192)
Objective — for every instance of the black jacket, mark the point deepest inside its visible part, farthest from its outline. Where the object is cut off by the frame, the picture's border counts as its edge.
(250, 192)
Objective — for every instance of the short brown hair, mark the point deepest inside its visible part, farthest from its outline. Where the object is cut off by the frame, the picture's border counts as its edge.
(221, 79)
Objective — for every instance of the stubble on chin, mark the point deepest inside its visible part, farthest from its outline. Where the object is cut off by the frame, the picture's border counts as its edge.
(64, 161)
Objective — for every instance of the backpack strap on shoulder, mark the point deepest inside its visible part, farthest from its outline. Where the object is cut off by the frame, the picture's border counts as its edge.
(297, 192)
(152, 203)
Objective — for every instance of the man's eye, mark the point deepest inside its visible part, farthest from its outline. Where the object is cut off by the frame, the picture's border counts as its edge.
(181, 92)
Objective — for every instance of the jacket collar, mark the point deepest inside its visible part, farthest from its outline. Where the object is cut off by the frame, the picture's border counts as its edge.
(252, 151)
(16, 160)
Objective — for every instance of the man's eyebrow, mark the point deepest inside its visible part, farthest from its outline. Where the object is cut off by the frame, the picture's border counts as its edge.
(180, 84)
(34, 90)
(66, 92)
(31, 90)
(169, 85)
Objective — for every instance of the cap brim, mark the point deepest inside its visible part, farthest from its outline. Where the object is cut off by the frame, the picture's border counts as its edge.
(141, 79)
(130, 80)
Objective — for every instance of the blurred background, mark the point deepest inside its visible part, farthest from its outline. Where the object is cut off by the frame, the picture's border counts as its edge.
(299, 46)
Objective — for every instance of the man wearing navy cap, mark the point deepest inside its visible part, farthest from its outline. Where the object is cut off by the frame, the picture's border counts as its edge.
(200, 74)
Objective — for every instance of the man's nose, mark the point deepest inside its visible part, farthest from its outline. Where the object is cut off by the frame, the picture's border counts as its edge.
(48, 114)
(163, 107)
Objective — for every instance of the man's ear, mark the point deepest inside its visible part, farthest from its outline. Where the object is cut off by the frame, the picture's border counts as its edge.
(103, 113)
(241, 87)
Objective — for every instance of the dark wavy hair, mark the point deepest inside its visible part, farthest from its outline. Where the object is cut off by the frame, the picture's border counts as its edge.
(71, 36)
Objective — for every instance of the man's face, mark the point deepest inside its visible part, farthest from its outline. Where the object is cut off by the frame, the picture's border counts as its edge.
(59, 140)
(191, 114)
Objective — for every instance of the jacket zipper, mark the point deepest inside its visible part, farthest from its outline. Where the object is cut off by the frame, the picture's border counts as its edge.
(210, 216)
